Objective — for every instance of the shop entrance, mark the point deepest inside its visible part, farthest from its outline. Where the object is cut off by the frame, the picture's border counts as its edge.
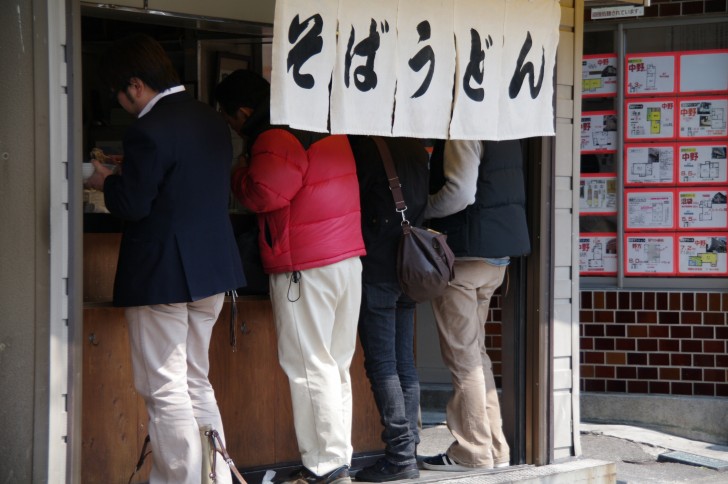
(203, 51)
(516, 345)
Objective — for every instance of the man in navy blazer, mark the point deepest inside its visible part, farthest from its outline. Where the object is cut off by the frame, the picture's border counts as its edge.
(178, 253)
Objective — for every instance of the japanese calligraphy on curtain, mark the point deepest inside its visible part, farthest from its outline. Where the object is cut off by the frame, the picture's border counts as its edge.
(464, 69)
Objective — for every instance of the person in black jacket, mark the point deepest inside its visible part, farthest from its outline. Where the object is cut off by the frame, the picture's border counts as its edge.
(478, 200)
(386, 320)
(178, 255)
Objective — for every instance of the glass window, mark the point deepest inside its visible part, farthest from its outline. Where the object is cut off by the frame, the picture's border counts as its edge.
(653, 183)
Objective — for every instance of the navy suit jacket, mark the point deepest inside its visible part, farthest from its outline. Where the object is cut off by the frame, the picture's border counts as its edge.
(173, 193)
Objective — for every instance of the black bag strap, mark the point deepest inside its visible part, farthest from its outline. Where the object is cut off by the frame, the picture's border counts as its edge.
(142, 458)
(233, 319)
(394, 185)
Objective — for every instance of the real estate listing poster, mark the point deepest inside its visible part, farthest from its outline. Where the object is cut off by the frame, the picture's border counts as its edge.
(647, 254)
(702, 209)
(598, 254)
(598, 193)
(703, 117)
(599, 132)
(649, 164)
(649, 119)
(599, 75)
(649, 210)
(702, 254)
(650, 74)
(702, 163)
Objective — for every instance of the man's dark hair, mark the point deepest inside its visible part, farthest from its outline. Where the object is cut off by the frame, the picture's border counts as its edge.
(141, 56)
(242, 89)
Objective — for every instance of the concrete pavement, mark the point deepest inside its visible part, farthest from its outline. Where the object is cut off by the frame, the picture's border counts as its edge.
(435, 439)
(632, 453)
(637, 453)
(610, 454)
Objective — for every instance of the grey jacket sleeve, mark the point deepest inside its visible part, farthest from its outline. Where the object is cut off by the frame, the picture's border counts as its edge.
(460, 163)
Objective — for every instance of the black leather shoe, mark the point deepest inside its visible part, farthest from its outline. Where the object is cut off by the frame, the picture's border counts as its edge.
(385, 471)
(340, 475)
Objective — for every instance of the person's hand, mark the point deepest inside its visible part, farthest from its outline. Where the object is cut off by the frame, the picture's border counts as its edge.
(96, 181)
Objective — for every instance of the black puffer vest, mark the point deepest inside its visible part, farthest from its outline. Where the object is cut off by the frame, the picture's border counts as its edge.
(495, 225)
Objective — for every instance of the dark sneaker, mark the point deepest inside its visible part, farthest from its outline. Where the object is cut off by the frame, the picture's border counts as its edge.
(442, 462)
(385, 471)
(340, 475)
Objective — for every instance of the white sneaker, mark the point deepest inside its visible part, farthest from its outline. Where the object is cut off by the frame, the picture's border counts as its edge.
(442, 462)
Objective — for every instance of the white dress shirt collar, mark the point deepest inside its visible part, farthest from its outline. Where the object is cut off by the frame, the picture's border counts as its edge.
(153, 101)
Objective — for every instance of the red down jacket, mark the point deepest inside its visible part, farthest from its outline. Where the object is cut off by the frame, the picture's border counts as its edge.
(307, 200)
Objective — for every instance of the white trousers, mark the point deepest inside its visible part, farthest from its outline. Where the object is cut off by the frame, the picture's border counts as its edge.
(169, 350)
(316, 321)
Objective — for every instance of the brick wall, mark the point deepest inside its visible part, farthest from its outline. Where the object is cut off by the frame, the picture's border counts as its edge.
(673, 343)
(493, 341)
(670, 343)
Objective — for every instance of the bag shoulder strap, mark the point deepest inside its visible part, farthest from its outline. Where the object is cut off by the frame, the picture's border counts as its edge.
(394, 185)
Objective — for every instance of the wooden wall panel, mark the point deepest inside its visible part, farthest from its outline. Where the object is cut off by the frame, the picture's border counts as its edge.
(367, 428)
(114, 420)
(246, 386)
(251, 389)
(101, 251)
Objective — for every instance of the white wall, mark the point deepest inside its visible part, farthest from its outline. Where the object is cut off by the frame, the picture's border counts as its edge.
(566, 219)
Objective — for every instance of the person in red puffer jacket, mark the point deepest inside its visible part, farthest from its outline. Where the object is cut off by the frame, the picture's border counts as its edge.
(304, 188)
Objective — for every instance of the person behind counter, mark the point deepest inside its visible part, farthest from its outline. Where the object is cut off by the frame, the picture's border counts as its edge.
(303, 187)
(178, 255)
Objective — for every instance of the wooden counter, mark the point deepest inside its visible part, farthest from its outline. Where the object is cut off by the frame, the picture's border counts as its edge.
(251, 389)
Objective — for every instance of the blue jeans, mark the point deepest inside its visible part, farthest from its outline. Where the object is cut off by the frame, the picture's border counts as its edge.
(386, 332)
